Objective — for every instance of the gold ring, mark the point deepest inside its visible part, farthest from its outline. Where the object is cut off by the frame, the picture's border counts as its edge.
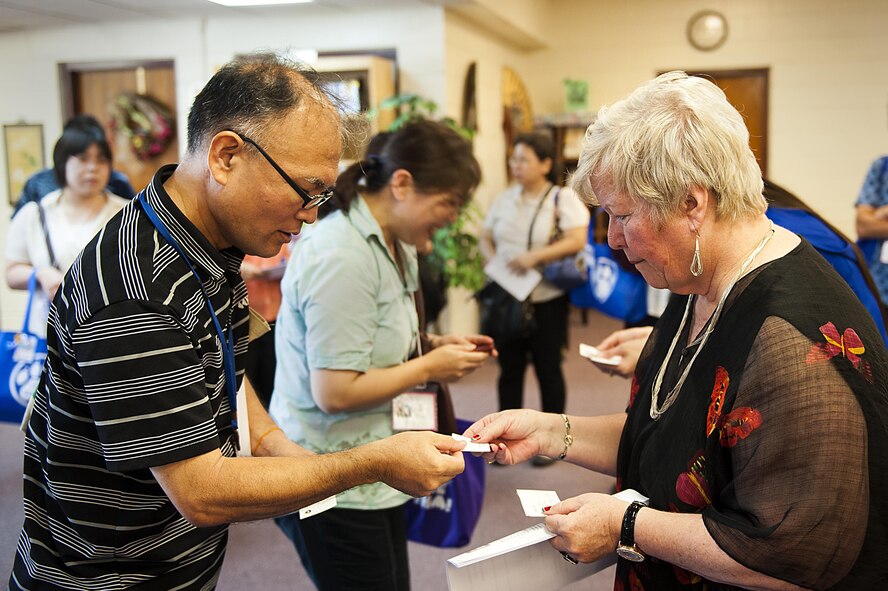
(491, 462)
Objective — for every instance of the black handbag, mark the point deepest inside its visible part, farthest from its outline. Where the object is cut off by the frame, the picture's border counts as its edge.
(566, 273)
(502, 316)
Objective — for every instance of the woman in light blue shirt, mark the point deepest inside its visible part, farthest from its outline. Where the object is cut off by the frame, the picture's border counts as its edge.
(347, 336)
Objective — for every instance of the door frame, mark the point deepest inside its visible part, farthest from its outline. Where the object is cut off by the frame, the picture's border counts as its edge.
(67, 71)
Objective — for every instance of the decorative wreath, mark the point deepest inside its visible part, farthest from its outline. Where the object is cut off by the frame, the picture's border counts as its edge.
(147, 123)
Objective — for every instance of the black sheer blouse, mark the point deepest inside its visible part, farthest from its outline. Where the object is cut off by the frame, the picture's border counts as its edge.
(779, 436)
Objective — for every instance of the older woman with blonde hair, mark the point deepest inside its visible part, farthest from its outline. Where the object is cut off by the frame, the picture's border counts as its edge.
(758, 416)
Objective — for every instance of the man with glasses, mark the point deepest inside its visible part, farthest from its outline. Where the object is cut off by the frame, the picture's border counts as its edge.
(131, 472)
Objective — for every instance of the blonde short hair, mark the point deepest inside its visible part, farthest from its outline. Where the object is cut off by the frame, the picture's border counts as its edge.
(673, 132)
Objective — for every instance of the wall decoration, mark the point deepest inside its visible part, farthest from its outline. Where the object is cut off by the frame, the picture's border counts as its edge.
(23, 144)
(146, 123)
(469, 107)
(517, 112)
(576, 95)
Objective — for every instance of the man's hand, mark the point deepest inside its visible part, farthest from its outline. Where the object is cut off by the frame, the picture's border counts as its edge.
(417, 462)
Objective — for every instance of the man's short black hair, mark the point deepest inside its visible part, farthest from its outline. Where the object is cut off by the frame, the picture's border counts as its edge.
(249, 93)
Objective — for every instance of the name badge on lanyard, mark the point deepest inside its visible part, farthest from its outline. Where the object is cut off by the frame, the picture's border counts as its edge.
(416, 409)
(225, 338)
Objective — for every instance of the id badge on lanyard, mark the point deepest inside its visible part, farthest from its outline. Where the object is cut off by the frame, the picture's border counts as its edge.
(416, 409)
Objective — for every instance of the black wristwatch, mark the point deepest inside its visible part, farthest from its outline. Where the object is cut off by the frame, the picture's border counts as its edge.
(627, 548)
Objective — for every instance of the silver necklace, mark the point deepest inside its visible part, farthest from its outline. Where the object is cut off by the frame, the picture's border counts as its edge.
(657, 409)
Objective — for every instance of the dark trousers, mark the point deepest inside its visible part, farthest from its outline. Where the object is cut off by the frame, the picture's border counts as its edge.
(260, 365)
(348, 549)
(544, 348)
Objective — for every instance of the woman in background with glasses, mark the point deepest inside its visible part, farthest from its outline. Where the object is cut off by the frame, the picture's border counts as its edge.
(519, 227)
(346, 341)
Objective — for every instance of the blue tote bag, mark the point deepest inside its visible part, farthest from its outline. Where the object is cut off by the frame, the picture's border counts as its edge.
(21, 362)
(448, 516)
(610, 288)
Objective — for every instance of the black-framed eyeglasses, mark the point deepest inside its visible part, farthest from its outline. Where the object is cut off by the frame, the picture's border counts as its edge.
(308, 201)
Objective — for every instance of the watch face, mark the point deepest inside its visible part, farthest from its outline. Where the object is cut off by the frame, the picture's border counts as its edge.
(630, 553)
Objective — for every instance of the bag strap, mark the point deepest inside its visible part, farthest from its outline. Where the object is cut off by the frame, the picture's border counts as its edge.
(556, 227)
(52, 258)
(32, 289)
(536, 213)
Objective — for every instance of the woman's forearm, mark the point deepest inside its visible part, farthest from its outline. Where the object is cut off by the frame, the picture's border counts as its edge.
(337, 391)
(17, 275)
(683, 540)
(595, 442)
(572, 242)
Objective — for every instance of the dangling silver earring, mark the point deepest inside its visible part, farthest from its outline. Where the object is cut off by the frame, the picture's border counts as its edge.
(696, 263)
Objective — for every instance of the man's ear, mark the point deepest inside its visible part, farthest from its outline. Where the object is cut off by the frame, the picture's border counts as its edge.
(401, 180)
(698, 205)
(222, 155)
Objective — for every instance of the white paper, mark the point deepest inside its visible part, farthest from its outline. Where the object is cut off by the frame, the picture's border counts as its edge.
(594, 355)
(519, 285)
(471, 446)
(523, 561)
(533, 501)
(243, 422)
(318, 507)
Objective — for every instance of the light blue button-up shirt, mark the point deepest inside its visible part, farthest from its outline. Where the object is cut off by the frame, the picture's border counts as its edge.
(345, 307)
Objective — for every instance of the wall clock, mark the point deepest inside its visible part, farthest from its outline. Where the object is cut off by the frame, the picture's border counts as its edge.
(707, 30)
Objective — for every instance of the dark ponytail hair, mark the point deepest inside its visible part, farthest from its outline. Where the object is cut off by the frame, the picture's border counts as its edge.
(438, 158)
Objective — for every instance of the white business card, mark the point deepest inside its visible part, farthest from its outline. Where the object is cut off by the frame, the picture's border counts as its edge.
(471, 446)
(318, 507)
(533, 501)
(594, 355)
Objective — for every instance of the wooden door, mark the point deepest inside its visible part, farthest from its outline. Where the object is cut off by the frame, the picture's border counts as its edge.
(92, 88)
(747, 90)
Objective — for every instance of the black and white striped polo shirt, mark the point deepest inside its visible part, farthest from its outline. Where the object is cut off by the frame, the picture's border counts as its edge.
(133, 379)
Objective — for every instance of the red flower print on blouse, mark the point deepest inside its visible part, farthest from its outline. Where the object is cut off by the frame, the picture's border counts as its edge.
(848, 345)
(739, 423)
(633, 391)
(691, 486)
(713, 417)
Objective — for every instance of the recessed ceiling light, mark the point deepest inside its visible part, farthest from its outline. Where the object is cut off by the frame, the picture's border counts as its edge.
(258, 2)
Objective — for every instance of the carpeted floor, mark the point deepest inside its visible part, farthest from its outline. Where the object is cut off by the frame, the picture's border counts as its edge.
(260, 557)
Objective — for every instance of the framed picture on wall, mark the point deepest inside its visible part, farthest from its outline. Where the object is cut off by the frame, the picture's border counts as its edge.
(23, 145)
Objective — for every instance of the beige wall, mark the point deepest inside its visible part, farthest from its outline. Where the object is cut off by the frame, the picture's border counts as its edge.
(29, 88)
(828, 76)
(467, 43)
(828, 62)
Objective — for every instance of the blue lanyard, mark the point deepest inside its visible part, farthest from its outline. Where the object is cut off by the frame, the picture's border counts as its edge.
(225, 340)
